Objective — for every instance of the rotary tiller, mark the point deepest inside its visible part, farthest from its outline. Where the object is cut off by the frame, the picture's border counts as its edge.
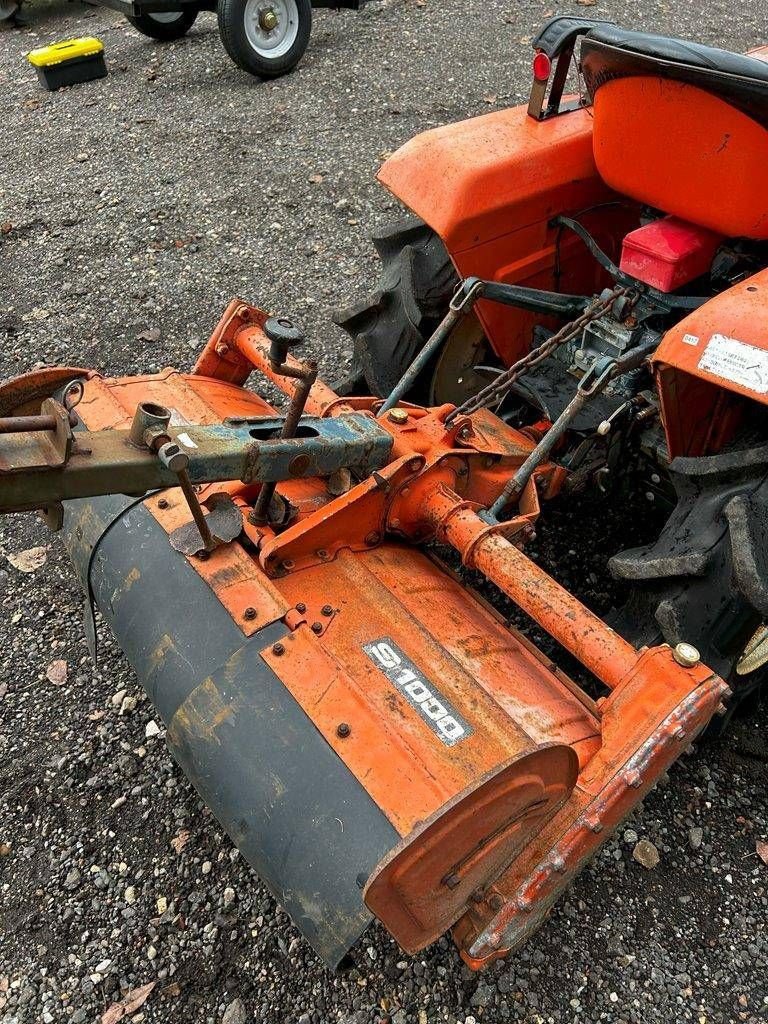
(375, 738)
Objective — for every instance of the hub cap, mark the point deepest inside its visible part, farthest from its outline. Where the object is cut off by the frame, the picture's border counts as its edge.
(271, 26)
(166, 17)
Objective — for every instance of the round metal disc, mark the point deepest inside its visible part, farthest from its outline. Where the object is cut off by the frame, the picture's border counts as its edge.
(456, 377)
(166, 17)
(271, 26)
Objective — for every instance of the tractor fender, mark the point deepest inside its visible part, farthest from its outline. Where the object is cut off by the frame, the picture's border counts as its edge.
(710, 365)
(485, 177)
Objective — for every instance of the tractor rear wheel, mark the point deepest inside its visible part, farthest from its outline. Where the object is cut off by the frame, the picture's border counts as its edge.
(417, 282)
(704, 581)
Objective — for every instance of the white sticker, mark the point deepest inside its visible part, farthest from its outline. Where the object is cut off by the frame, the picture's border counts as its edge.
(736, 361)
(186, 440)
(691, 339)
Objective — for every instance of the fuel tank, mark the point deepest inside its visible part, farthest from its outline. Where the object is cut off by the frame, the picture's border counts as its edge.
(371, 735)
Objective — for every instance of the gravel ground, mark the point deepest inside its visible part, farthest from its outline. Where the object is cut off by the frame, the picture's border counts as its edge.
(131, 210)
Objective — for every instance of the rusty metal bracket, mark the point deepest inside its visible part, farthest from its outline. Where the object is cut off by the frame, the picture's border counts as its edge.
(249, 450)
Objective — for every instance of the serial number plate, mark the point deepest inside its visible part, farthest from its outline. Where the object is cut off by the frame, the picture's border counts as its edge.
(736, 361)
(442, 718)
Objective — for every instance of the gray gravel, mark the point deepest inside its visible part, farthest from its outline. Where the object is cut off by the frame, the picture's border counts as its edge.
(132, 209)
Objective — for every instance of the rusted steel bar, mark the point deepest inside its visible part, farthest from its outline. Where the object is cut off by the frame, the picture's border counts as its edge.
(106, 462)
(23, 424)
(253, 345)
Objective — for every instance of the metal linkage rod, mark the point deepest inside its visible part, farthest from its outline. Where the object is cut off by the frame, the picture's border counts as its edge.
(283, 336)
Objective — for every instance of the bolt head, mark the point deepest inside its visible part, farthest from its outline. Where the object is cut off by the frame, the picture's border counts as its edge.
(278, 649)
(327, 610)
(686, 655)
(317, 627)
(249, 614)
(343, 730)
(268, 20)
(398, 415)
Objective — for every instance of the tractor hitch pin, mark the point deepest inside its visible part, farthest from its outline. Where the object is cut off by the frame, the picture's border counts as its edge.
(149, 430)
(73, 392)
(284, 335)
(462, 302)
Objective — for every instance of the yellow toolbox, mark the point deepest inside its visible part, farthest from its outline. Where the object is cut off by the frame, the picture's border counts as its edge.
(69, 62)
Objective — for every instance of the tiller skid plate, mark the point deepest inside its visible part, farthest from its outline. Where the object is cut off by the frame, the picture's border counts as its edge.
(372, 735)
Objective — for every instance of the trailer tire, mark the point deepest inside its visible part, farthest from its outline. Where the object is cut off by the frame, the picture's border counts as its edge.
(418, 280)
(165, 26)
(257, 49)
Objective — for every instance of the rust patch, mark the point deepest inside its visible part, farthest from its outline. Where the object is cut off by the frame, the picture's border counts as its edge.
(158, 655)
(201, 714)
(133, 577)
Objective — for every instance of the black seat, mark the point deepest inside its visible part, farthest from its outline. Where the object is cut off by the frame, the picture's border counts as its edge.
(609, 52)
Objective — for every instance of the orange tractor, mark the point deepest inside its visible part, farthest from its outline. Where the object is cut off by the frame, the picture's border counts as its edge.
(581, 301)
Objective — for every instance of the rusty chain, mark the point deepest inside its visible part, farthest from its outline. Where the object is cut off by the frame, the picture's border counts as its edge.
(497, 389)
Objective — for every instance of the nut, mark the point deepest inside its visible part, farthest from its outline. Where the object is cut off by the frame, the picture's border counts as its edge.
(278, 649)
(686, 655)
(343, 730)
(398, 415)
(249, 614)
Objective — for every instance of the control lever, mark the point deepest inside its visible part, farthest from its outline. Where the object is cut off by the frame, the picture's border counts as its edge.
(283, 335)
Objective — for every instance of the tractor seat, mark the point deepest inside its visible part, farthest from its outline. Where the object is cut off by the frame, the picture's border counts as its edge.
(681, 127)
(611, 52)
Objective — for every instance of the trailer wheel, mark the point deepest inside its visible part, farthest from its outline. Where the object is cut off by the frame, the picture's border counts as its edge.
(265, 37)
(165, 26)
(9, 9)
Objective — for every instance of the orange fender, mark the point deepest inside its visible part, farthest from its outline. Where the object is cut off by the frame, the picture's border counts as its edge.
(480, 178)
(489, 188)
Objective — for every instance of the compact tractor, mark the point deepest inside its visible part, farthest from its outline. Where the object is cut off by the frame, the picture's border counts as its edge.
(580, 300)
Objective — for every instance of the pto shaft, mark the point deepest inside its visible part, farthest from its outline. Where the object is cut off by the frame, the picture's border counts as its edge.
(598, 647)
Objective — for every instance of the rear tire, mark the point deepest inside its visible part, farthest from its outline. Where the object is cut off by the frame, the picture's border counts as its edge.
(417, 282)
(255, 46)
(704, 581)
(165, 26)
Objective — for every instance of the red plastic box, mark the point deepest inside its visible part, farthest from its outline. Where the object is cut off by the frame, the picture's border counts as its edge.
(668, 253)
